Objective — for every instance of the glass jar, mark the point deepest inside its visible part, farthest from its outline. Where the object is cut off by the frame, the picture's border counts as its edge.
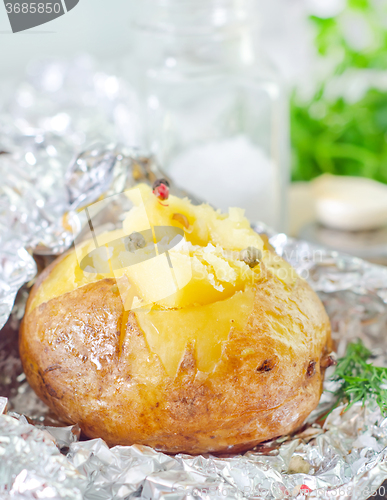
(215, 115)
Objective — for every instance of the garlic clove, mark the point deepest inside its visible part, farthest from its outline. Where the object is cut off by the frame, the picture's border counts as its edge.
(350, 203)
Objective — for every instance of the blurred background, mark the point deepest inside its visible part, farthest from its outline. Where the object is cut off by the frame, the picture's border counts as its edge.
(279, 107)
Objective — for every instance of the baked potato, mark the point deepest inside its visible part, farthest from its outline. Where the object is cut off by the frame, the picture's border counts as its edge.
(210, 343)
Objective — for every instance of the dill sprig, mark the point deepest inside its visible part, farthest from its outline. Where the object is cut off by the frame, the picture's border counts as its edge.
(360, 380)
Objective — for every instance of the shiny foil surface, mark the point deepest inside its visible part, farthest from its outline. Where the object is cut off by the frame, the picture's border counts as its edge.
(51, 166)
(61, 136)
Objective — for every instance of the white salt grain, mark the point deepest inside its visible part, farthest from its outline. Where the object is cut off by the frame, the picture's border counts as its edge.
(230, 172)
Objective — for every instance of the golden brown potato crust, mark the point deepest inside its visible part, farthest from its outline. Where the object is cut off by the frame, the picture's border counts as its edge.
(89, 361)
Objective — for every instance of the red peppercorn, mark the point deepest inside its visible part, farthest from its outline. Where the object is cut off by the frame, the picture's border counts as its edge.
(161, 189)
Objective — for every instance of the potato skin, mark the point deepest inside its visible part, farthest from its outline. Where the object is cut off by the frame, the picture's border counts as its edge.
(88, 360)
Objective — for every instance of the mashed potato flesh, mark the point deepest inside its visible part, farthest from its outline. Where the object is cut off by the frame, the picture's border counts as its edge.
(189, 295)
(203, 329)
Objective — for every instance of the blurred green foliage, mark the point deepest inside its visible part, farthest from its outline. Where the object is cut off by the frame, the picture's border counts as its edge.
(337, 135)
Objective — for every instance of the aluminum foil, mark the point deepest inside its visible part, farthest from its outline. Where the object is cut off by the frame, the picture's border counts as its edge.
(32, 466)
(52, 161)
(344, 457)
(51, 167)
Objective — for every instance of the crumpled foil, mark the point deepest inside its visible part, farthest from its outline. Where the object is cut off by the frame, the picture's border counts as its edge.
(51, 167)
(32, 466)
(52, 161)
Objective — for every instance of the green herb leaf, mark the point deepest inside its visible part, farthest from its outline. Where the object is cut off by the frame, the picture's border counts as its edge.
(330, 132)
(360, 380)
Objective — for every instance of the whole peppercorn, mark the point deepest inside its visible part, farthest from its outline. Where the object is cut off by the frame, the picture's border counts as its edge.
(251, 256)
(161, 189)
(134, 241)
